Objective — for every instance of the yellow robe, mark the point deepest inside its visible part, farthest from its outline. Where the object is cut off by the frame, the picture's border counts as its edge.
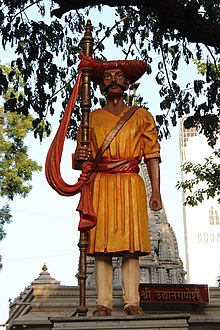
(119, 200)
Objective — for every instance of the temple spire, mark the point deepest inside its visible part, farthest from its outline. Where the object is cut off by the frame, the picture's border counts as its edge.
(44, 269)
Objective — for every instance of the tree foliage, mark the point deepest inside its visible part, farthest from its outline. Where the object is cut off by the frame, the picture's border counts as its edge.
(160, 32)
(16, 168)
(204, 180)
(5, 218)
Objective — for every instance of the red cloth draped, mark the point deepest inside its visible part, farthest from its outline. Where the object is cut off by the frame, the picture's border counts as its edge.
(53, 161)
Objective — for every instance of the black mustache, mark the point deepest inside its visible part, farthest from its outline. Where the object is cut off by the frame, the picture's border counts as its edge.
(113, 83)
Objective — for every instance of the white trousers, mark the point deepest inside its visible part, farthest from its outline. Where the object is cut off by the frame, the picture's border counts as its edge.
(130, 280)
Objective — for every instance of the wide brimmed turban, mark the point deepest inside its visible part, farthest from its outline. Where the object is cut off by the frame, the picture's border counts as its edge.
(132, 69)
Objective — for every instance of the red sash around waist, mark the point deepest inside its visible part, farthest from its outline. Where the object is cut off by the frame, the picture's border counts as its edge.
(113, 166)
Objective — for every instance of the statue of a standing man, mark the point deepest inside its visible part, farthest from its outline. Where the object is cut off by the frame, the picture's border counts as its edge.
(118, 192)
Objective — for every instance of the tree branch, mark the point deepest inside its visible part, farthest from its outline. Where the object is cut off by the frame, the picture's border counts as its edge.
(171, 14)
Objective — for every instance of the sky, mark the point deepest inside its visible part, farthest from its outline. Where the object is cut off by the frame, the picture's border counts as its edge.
(44, 227)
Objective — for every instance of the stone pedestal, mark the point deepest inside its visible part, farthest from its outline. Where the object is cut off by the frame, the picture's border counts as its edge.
(149, 322)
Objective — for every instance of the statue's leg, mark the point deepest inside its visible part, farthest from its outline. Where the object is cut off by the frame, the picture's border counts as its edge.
(104, 284)
(130, 284)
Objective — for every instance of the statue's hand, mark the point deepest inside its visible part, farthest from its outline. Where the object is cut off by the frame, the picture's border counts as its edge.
(82, 154)
(155, 202)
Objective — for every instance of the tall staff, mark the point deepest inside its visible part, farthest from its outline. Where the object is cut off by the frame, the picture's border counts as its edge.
(54, 157)
(87, 46)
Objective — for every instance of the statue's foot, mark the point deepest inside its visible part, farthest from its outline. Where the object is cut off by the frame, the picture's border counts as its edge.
(134, 310)
(102, 311)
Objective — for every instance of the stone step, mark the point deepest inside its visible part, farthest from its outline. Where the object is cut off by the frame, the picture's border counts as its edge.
(175, 321)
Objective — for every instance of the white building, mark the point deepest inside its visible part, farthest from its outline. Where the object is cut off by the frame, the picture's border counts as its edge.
(202, 222)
